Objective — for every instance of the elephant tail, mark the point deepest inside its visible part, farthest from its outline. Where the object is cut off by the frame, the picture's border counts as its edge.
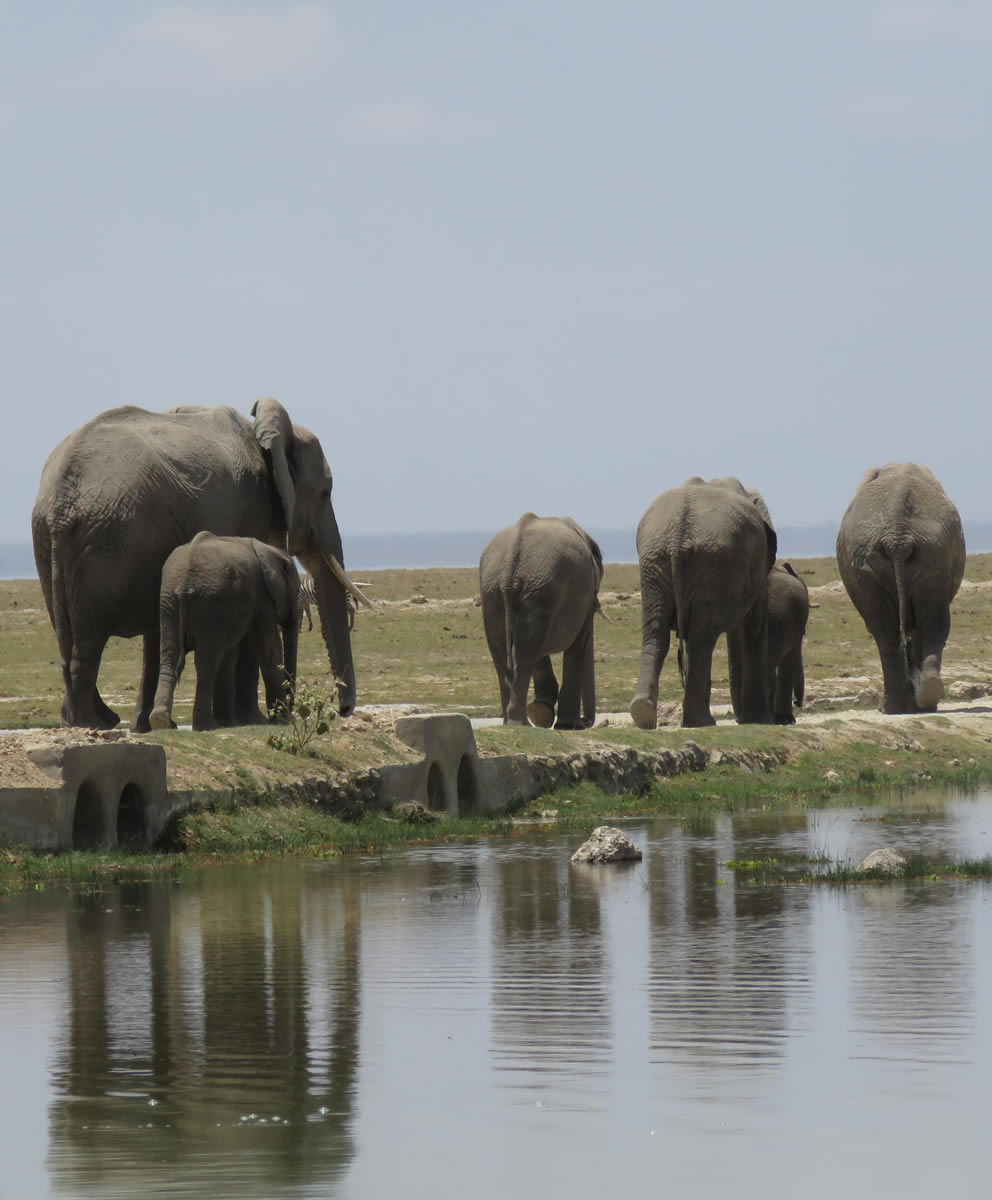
(898, 555)
(59, 612)
(680, 607)
(510, 666)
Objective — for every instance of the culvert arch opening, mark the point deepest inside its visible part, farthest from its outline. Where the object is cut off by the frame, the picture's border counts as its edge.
(87, 818)
(435, 787)
(468, 786)
(131, 814)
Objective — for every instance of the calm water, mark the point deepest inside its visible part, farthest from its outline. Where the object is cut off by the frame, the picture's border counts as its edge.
(485, 1020)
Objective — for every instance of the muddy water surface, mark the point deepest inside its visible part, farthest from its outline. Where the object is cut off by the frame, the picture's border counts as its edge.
(487, 1020)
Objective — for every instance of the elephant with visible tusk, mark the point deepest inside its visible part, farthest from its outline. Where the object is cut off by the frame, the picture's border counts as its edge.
(121, 493)
(705, 550)
(234, 602)
(901, 554)
(539, 582)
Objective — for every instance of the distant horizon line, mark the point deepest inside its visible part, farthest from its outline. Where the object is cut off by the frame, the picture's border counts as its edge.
(462, 548)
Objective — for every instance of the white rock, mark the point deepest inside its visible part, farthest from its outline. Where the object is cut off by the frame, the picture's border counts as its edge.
(832, 776)
(606, 844)
(885, 859)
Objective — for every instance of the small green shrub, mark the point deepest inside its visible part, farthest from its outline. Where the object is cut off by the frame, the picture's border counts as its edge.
(311, 715)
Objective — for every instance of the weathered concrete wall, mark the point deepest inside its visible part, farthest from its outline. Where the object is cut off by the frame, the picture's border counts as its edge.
(101, 796)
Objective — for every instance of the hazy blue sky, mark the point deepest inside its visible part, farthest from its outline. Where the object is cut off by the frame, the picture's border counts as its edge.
(544, 255)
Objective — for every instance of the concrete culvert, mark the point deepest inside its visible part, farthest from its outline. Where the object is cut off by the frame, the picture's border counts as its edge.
(88, 832)
(131, 826)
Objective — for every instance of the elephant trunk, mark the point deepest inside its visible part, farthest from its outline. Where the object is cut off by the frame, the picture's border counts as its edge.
(333, 608)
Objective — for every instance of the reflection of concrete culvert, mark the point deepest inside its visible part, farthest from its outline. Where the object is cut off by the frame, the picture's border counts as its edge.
(101, 795)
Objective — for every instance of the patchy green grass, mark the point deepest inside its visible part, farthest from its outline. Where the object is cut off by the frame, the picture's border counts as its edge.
(20, 870)
(918, 867)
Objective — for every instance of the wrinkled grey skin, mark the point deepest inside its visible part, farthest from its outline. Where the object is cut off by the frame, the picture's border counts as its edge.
(121, 493)
(901, 553)
(788, 613)
(705, 550)
(228, 599)
(539, 582)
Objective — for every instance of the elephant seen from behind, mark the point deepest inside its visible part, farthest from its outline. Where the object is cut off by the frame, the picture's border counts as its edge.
(705, 550)
(122, 492)
(901, 554)
(234, 603)
(539, 582)
(788, 614)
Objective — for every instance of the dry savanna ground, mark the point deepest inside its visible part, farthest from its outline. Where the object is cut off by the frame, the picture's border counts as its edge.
(423, 645)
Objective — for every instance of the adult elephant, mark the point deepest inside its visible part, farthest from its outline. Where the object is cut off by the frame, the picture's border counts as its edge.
(788, 613)
(235, 602)
(539, 582)
(121, 493)
(705, 550)
(901, 554)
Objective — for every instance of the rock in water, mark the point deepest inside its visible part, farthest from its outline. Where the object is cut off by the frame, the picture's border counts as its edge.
(606, 844)
(886, 859)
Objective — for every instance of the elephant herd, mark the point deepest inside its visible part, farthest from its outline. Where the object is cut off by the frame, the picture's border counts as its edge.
(182, 526)
(707, 555)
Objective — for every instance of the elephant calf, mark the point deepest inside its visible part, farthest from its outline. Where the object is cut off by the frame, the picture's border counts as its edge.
(228, 599)
(901, 554)
(539, 582)
(788, 612)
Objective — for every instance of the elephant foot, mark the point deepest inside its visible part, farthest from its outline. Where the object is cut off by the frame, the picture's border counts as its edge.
(784, 719)
(160, 718)
(541, 714)
(576, 724)
(697, 721)
(930, 691)
(644, 712)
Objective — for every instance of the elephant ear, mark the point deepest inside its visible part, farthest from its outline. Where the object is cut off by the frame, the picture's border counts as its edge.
(771, 538)
(280, 579)
(274, 433)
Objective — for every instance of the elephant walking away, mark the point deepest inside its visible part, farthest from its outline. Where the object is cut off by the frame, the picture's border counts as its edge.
(228, 599)
(788, 614)
(121, 493)
(705, 550)
(901, 554)
(539, 582)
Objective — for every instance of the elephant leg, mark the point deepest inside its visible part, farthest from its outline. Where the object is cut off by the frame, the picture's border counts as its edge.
(657, 613)
(151, 644)
(82, 704)
(273, 675)
(788, 682)
(246, 707)
(933, 621)
(225, 690)
(698, 680)
(105, 713)
(161, 715)
(208, 662)
(748, 644)
(898, 691)
(541, 709)
(589, 681)
(576, 663)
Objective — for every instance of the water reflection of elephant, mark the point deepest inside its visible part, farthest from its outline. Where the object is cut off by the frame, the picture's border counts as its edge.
(194, 1015)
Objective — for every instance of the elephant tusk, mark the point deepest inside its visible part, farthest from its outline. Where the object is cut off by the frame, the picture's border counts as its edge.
(341, 575)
